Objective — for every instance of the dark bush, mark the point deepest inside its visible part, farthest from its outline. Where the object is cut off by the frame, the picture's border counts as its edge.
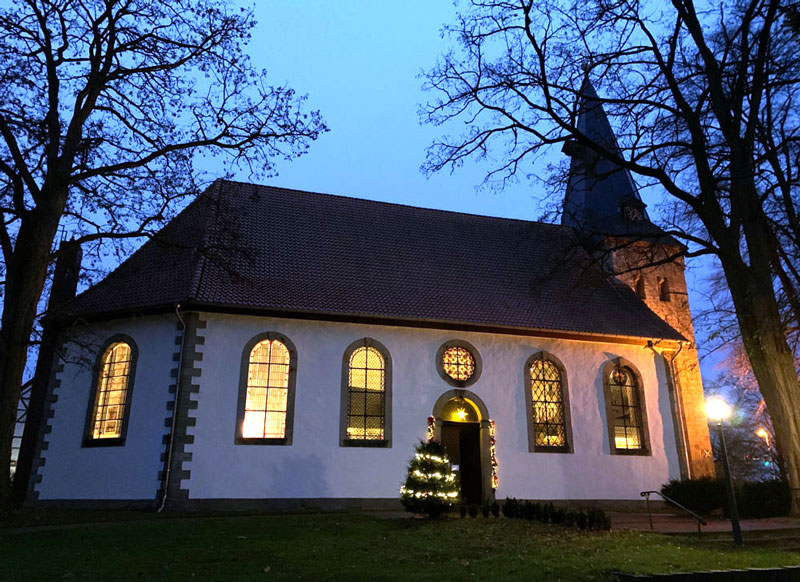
(462, 509)
(597, 519)
(547, 513)
(496, 509)
(485, 510)
(571, 518)
(538, 511)
(582, 521)
(702, 495)
(511, 508)
(529, 510)
(558, 515)
(473, 511)
(764, 499)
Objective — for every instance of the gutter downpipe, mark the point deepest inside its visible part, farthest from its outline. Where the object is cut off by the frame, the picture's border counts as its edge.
(171, 445)
(673, 381)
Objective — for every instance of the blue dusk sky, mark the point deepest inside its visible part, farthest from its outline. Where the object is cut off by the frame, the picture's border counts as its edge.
(359, 62)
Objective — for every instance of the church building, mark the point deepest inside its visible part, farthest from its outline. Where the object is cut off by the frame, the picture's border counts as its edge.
(273, 348)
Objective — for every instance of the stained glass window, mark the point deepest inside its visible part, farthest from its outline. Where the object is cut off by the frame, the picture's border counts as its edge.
(458, 363)
(625, 409)
(366, 385)
(112, 389)
(547, 400)
(267, 391)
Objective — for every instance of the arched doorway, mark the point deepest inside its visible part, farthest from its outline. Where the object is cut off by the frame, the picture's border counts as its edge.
(462, 426)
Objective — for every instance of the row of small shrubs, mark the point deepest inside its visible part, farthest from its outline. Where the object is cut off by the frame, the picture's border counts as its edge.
(592, 518)
(754, 499)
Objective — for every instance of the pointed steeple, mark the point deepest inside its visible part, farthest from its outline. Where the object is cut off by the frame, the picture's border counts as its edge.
(601, 197)
(604, 207)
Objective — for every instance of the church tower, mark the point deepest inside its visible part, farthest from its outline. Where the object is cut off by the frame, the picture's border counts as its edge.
(604, 207)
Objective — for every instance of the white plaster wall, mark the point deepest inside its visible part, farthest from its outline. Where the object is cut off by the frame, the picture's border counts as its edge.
(316, 466)
(129, 471)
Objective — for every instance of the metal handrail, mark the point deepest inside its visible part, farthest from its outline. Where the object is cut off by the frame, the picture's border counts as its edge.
(647, 494)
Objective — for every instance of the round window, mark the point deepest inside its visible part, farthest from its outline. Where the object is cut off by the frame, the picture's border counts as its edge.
(458, 363)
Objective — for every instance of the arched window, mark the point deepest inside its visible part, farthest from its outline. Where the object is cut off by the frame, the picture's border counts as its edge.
(548, 407)
(640, 288)
(663, 290)
(266, 399)
(625, 407)
(366, 394)
(110, 403)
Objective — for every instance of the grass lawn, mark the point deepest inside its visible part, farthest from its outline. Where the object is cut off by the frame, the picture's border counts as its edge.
(351, 547)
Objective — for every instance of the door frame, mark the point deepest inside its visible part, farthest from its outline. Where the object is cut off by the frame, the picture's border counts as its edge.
(488, 494)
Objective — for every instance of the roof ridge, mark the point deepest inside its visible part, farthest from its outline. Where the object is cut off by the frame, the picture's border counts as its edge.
(394, 204)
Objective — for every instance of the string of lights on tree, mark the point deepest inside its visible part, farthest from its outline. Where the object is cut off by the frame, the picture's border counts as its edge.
(493, 455)
(431, 487)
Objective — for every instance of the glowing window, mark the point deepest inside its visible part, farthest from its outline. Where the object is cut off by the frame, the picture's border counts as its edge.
(108, 413)
(267, 391)
(366, 395)
(460, 410)
(547, 401)
(626, 413)
(458, 363)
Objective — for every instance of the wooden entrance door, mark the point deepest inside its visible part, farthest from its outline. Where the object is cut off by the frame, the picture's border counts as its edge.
(462, 441)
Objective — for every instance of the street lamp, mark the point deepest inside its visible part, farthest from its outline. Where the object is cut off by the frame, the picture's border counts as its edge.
(718, 410)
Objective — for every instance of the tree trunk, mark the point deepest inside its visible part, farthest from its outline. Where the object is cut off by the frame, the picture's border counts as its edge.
(763, 333)
(25, 277)
(771, 358)
(62, 290)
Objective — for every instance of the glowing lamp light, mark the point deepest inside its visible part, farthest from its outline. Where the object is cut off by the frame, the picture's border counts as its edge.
(762, 432)
(717, 409)
(461, 413)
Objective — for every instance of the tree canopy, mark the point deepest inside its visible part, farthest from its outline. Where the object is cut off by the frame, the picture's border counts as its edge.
(703, 99)
(105, 106)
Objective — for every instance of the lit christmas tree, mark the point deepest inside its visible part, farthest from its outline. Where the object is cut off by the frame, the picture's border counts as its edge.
(431, 486)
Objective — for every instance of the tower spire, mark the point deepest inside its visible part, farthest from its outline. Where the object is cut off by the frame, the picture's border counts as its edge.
(604, 207)
(601, 197)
